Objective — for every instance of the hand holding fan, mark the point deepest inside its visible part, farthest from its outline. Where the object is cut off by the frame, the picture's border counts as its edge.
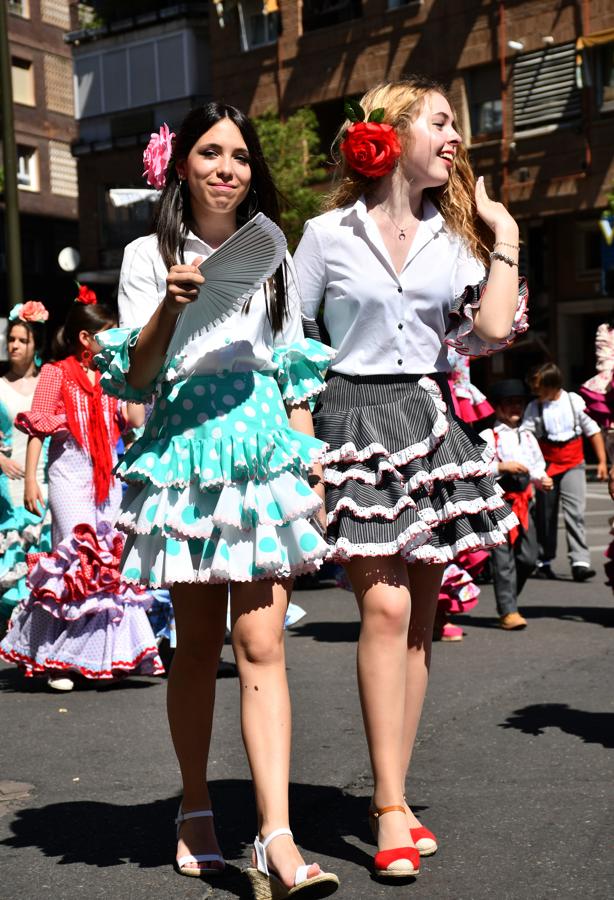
(233, 273)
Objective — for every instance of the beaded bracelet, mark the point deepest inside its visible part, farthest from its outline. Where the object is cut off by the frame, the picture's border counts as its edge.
(503, 257)
(505, 244)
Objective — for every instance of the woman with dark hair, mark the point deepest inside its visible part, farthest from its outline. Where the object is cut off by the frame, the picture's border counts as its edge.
(80, 616)
(219, 490)
(21, 531)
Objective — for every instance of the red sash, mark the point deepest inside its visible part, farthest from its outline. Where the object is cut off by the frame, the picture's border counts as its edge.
(562, 457)
(520, 502)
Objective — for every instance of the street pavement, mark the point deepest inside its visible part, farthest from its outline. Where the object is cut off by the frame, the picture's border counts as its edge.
(511, 769)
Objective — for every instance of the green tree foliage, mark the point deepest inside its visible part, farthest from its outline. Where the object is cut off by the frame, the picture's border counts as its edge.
(292, 150)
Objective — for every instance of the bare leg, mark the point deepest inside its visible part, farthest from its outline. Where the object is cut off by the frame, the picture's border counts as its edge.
(424, 584)
(200, 616)
(381, 586)
(258, 611)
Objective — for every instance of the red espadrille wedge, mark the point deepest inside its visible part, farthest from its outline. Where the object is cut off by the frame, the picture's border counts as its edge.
(401, 862)
(425, 840)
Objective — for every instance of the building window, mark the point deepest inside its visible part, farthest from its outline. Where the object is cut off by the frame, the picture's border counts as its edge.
(27, 168)
(323, 13)
(545, 88)
(588, 249)
(22, 77)
(606, 75)
(19, 8)
(62, 170)
(259, 23)
(484, 94)
(59, 84)
(56, 12)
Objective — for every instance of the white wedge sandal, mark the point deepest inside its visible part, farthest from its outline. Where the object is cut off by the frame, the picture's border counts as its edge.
(189, 863)
(268, 886)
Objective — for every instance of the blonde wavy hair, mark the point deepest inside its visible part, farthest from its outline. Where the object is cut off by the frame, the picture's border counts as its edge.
(402, 102)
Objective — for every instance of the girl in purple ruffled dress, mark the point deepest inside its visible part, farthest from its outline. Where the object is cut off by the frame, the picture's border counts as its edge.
(80, 616)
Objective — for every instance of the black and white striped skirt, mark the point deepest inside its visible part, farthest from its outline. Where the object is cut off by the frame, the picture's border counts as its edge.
(402, 473)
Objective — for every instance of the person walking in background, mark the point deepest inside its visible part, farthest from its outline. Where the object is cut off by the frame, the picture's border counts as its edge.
(519, 466)
(559, 420)
(407, 484)
(80, 617)
(21, 531)
(219, 484)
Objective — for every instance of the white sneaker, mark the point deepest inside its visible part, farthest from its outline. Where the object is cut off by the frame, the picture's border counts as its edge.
(61, 683)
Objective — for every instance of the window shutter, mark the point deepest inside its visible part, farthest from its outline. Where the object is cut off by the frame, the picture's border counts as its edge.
(545, 89)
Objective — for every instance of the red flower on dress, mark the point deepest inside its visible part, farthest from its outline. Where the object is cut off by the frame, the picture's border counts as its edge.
(371, 148)
(86, 295)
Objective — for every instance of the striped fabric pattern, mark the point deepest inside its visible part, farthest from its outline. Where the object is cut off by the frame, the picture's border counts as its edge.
(402, 474)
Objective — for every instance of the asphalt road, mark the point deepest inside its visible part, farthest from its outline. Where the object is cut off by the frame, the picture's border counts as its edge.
(511, 770)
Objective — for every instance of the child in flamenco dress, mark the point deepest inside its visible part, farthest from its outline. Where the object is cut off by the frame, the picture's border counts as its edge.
(80, 616)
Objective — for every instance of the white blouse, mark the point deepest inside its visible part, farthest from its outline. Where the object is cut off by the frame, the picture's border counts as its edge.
(563, 419)
(244, 341)
(515, 445)
(381, 322)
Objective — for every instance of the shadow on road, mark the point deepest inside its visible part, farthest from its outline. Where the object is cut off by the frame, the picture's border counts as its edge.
(593, 728)
(106, 834)
(13, 681)
(593, 615)
(329, 632)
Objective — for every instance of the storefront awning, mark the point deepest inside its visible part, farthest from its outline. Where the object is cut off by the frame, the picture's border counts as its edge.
(595, 39)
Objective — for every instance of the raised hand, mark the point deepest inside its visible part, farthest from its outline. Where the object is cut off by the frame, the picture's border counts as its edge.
(494, 214)
(182, 285)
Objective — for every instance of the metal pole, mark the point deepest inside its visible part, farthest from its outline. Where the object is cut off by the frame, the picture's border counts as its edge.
(9, 154)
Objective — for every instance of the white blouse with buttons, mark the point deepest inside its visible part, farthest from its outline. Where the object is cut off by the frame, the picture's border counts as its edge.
(381, 322)
(244, 341)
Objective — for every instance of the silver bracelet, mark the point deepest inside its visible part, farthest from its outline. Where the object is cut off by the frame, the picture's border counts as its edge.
(503, 257)
(505, 244)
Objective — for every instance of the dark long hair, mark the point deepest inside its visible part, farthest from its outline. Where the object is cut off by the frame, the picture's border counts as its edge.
(174, 211)
(39, 334)
(92, 317)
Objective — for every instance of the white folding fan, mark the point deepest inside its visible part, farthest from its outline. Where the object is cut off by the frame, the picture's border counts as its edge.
(233, 273)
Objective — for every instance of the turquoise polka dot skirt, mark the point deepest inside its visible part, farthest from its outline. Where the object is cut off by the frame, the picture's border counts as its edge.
(217, 487)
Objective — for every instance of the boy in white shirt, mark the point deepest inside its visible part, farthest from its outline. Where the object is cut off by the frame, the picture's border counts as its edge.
(519, 466)
(559, 420)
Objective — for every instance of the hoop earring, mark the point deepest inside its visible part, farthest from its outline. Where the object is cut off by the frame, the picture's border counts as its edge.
(86, 357)
(252, 209)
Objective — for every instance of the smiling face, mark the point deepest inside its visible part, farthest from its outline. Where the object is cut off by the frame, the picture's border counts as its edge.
(431, 144)
(218, 169)
(20, 344)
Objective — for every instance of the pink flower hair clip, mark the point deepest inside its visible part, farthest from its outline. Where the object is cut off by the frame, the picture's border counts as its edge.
(30, 311)
(158, 157)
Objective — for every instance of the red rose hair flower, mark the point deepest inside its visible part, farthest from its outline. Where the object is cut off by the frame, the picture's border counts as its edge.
(86, 295)
(370, 147)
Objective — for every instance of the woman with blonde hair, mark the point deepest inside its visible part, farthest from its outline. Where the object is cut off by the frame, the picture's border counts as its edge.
(403, 270)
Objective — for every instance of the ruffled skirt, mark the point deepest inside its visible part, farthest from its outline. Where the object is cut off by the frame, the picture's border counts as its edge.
(217, 488)
(402, 474)
(81, 616)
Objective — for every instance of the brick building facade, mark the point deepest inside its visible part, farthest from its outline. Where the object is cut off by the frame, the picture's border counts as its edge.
(536, 111)
(45, 127)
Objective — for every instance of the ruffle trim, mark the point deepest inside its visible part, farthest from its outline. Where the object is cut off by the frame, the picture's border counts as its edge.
(113, 362)
(301, 367)
(81, 577)
(348, 452)
(219, 461)
(32, 667)
(450, 510)
(461, 335)
(421, 550)
(212, 577)
(190, 513)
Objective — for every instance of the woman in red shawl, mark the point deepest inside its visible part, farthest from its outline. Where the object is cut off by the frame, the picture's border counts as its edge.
(80, 617)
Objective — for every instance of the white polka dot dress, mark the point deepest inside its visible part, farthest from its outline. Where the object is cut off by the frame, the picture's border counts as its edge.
(217, 485)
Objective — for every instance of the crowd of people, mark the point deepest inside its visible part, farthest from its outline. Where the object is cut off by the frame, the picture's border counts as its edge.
(330, 417)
